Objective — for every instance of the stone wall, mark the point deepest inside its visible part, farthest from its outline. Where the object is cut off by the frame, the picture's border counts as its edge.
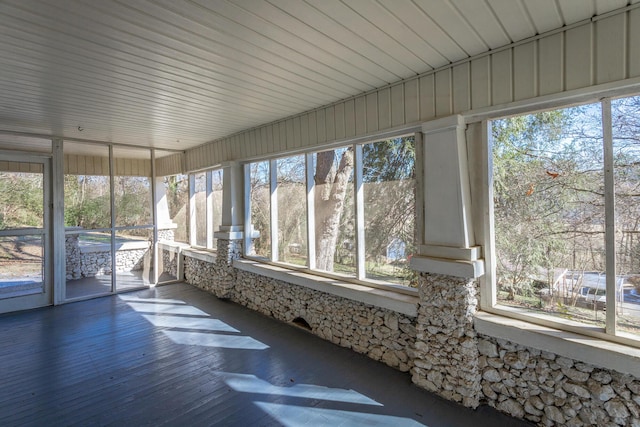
(381, 334)
(555, 391)
(169, 262)
(95, 259)
(446, 351)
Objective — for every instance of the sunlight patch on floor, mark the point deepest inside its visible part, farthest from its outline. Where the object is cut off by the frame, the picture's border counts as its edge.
(246, 383)
(291, 415)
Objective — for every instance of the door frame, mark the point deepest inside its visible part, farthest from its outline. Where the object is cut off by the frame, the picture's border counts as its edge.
(45, 297)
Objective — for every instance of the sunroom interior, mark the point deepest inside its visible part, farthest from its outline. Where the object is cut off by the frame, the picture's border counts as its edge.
(449, 188)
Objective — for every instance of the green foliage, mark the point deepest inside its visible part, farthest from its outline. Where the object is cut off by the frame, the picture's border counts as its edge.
(21, 200)
(548, 196)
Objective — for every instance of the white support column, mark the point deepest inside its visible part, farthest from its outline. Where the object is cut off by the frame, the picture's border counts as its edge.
(209, 209)
(311, 213)
(448, 244)
(192, 210)
(248, 224)
(154, 212)
(232, 203)
(610, 215)
(273, 185)
(359, 200)
(58, 252)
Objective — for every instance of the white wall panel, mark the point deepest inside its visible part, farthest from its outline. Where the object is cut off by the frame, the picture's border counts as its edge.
(313, 128)
(340, 124)
(297, 132)
(372, 112)
(350, 118)
(610, 48)
(501, 82)
(411, 108)
(525, 78)
(361, 115)
(330, 120)
(634, 43)
(461, 84)
(444, 100)
(321, 125)
(427, 97)
(550, 64)
(384, 108)
(481, 82)
(304, 130)
(579, 57)
(603, 51)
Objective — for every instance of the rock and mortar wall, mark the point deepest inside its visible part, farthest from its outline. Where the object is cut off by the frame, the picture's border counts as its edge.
(378, 333)
(169, 263)
(89, 262)
(551, 390)
(440, 347)
(446, 351)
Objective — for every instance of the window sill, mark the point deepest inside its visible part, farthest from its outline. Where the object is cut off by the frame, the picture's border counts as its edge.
(175, 247)
(587, 349)
(395, 301)
(206, 255)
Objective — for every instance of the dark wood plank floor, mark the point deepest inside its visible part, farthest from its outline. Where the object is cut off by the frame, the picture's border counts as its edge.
(175, 355)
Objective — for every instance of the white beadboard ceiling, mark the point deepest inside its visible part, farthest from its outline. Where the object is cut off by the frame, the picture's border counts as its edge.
(175, 74)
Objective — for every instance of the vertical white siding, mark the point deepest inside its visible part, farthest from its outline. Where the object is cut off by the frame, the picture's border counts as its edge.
(603, 51)
(525, 83)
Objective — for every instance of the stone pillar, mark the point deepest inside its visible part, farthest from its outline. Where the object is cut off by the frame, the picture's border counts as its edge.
(446, 351)
(230, 236)
(224, 274)
(446, 356)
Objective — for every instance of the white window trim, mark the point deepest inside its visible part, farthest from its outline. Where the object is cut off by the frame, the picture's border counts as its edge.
(488, 287)
(358, 190)
(209, 202)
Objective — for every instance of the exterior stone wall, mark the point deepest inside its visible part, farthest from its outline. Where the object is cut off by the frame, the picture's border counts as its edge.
(381, 334)
(446, 350)
(169, 262)
(72, 257)
(166, 234)
(555, 391)
(218, 277)
(89, 261)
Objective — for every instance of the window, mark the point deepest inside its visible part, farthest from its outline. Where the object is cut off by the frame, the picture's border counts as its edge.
(347, 211)
(291, 208)
(205, 207)
(566, 231)
(388, 175)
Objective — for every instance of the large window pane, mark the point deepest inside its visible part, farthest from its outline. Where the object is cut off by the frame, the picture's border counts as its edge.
(177, 194)
(626, 150)
(21, 195)
(389, 209)
(21, 265)
(87, 206)
(260, 215)
(215, 204)
(88, 263)
(200, 198)
(132, 187)
(334, 211)
(292, 210)
(133, 258)
(549, 213)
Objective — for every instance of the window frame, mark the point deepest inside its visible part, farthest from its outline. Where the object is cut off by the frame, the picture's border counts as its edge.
(488, 282)
(358, 193)
(209, 203)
